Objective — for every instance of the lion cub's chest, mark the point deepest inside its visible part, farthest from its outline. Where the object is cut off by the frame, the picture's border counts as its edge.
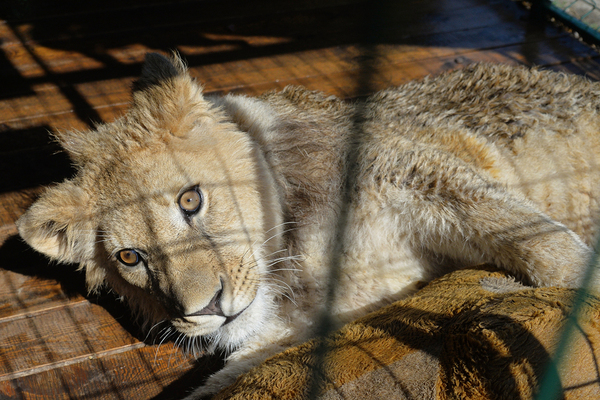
(378, 265)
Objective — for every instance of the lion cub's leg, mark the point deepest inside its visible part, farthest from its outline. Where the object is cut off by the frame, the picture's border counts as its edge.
(455, 212)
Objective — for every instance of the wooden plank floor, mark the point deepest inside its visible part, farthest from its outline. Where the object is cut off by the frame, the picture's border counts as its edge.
(69, 68)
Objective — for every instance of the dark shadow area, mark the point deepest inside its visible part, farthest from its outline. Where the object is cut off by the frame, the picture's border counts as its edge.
(30, 158)
(12, 80)
(183, 386)
(225, 31)
(17, 256)
(228, 31)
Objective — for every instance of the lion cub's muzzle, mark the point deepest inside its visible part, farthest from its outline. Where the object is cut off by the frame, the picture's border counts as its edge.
(208, 319)
(214, 308)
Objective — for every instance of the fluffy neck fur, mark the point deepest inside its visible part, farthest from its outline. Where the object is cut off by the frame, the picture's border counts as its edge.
(303, 139)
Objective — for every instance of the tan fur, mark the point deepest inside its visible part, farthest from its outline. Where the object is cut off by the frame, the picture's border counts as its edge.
(490, 339)
(489, 164)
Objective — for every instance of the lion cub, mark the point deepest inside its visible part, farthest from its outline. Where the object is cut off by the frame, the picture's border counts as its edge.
(218, 214)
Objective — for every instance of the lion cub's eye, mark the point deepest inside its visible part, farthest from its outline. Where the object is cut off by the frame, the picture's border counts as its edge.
(129, 257)
(190, 201)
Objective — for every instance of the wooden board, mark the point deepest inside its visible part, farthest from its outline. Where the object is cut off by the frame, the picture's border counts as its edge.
(69, 67)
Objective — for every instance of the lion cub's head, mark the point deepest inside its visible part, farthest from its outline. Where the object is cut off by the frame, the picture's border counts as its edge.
(172, 206)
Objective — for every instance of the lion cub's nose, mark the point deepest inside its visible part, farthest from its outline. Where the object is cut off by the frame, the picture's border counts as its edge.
(213, 307)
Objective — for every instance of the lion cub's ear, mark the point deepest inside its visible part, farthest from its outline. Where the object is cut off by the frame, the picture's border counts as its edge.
(59, 225)
(167, 102)
(158, 68)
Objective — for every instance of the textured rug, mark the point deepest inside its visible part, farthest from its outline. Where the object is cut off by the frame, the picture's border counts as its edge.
(473, 334)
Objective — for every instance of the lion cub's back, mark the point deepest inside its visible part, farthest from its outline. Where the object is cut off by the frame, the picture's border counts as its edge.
(536, 132)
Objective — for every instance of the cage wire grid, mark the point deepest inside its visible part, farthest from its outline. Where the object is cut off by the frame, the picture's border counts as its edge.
(582, 15)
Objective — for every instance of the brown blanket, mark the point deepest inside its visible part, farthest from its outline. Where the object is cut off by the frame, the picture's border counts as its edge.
(473, 334)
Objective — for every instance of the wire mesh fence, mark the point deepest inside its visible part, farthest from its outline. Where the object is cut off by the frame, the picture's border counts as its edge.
(369, 61)
(582, 15)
